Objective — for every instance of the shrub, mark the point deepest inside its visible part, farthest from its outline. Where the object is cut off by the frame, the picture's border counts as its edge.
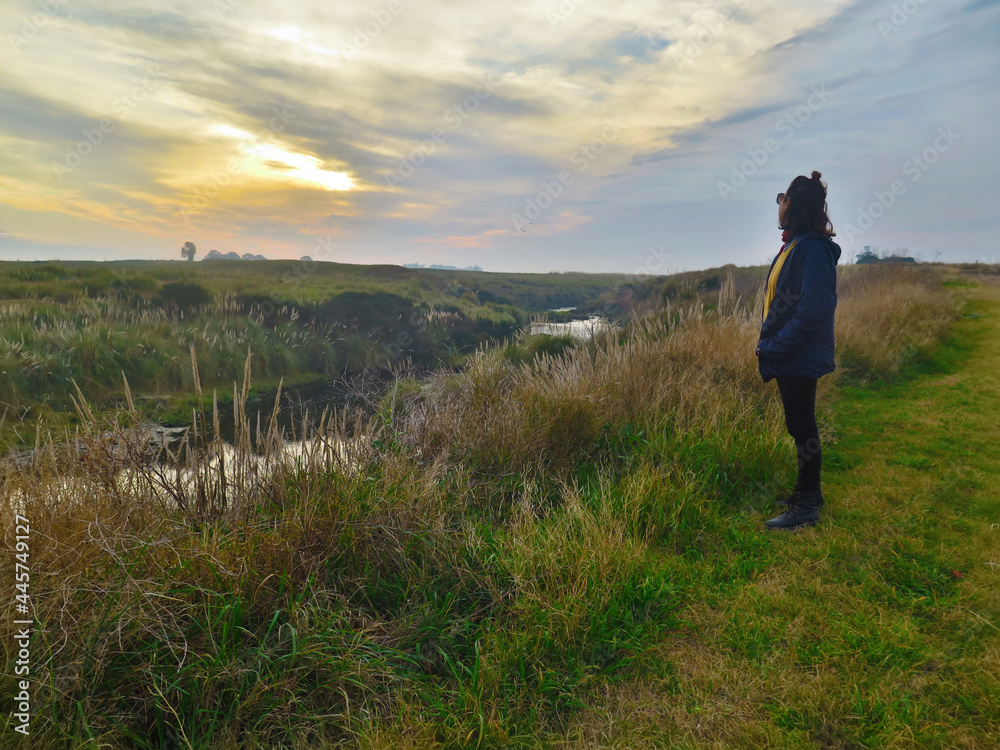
(533, 346)
(709, 284)
(183, 296)
(40, 273)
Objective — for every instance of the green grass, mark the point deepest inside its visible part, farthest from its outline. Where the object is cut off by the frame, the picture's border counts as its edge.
(879, 628)
(624, 597)
(93, 322)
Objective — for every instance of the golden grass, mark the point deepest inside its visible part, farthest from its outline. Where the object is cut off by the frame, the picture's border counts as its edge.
(888, 315)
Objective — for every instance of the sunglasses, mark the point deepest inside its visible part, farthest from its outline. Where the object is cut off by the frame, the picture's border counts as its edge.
(781, 197)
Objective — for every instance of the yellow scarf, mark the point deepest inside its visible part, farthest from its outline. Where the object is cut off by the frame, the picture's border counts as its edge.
(772, 280)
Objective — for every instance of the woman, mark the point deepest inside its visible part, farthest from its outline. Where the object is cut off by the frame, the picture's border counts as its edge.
(796, 335)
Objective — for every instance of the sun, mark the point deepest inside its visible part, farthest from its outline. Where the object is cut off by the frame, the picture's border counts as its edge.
(277, 162)
(288, 164)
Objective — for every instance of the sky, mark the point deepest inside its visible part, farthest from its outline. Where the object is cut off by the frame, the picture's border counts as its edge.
(629, 136)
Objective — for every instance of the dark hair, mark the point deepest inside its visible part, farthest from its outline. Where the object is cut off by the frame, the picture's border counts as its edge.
(807, 207)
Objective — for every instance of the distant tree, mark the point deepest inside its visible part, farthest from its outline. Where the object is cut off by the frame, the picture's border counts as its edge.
(901, 255)
(874, 255)
(188, 250)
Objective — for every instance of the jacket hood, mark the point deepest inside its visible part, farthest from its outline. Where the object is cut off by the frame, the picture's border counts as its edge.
(834, 247)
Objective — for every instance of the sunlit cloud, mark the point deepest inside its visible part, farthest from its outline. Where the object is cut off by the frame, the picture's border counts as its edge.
(229, 131)
(282, 163)
(288, 33)
(478, 240)
(276, 162)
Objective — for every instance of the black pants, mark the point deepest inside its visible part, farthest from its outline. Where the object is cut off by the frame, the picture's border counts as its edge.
(798, 396)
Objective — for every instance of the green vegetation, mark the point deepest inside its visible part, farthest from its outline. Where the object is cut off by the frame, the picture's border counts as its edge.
(181, 297)
(565, 551)
(93, 323)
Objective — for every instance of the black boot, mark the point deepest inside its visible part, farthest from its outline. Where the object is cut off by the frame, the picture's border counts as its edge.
(803, 510)
(797, 497)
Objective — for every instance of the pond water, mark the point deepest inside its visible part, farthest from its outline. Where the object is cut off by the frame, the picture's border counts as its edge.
(582, 329)
(298, 404)
(222, 473)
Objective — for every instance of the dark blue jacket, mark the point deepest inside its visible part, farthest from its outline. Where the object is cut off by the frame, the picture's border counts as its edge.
(796, 339)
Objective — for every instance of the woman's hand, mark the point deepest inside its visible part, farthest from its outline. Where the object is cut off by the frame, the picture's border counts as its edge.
(758, 351)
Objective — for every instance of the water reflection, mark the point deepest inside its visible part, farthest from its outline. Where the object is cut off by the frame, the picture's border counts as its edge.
(220, 473)
(582, 329)
(226, 474)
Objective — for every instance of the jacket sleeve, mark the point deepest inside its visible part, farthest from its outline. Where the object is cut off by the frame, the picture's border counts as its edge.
(815, 305)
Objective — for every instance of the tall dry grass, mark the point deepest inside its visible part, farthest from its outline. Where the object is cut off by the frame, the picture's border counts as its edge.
(688, 368)
(494, 545)
(888, 315)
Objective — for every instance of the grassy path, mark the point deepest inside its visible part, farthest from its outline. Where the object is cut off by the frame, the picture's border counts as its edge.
(881, 627)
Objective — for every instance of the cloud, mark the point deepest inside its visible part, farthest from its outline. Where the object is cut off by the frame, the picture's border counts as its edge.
(514, 95)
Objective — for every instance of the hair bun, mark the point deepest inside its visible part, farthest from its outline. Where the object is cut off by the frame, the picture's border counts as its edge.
(816, 175)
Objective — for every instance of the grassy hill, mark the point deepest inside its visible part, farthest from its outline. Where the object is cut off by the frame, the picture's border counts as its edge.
(301, 282)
